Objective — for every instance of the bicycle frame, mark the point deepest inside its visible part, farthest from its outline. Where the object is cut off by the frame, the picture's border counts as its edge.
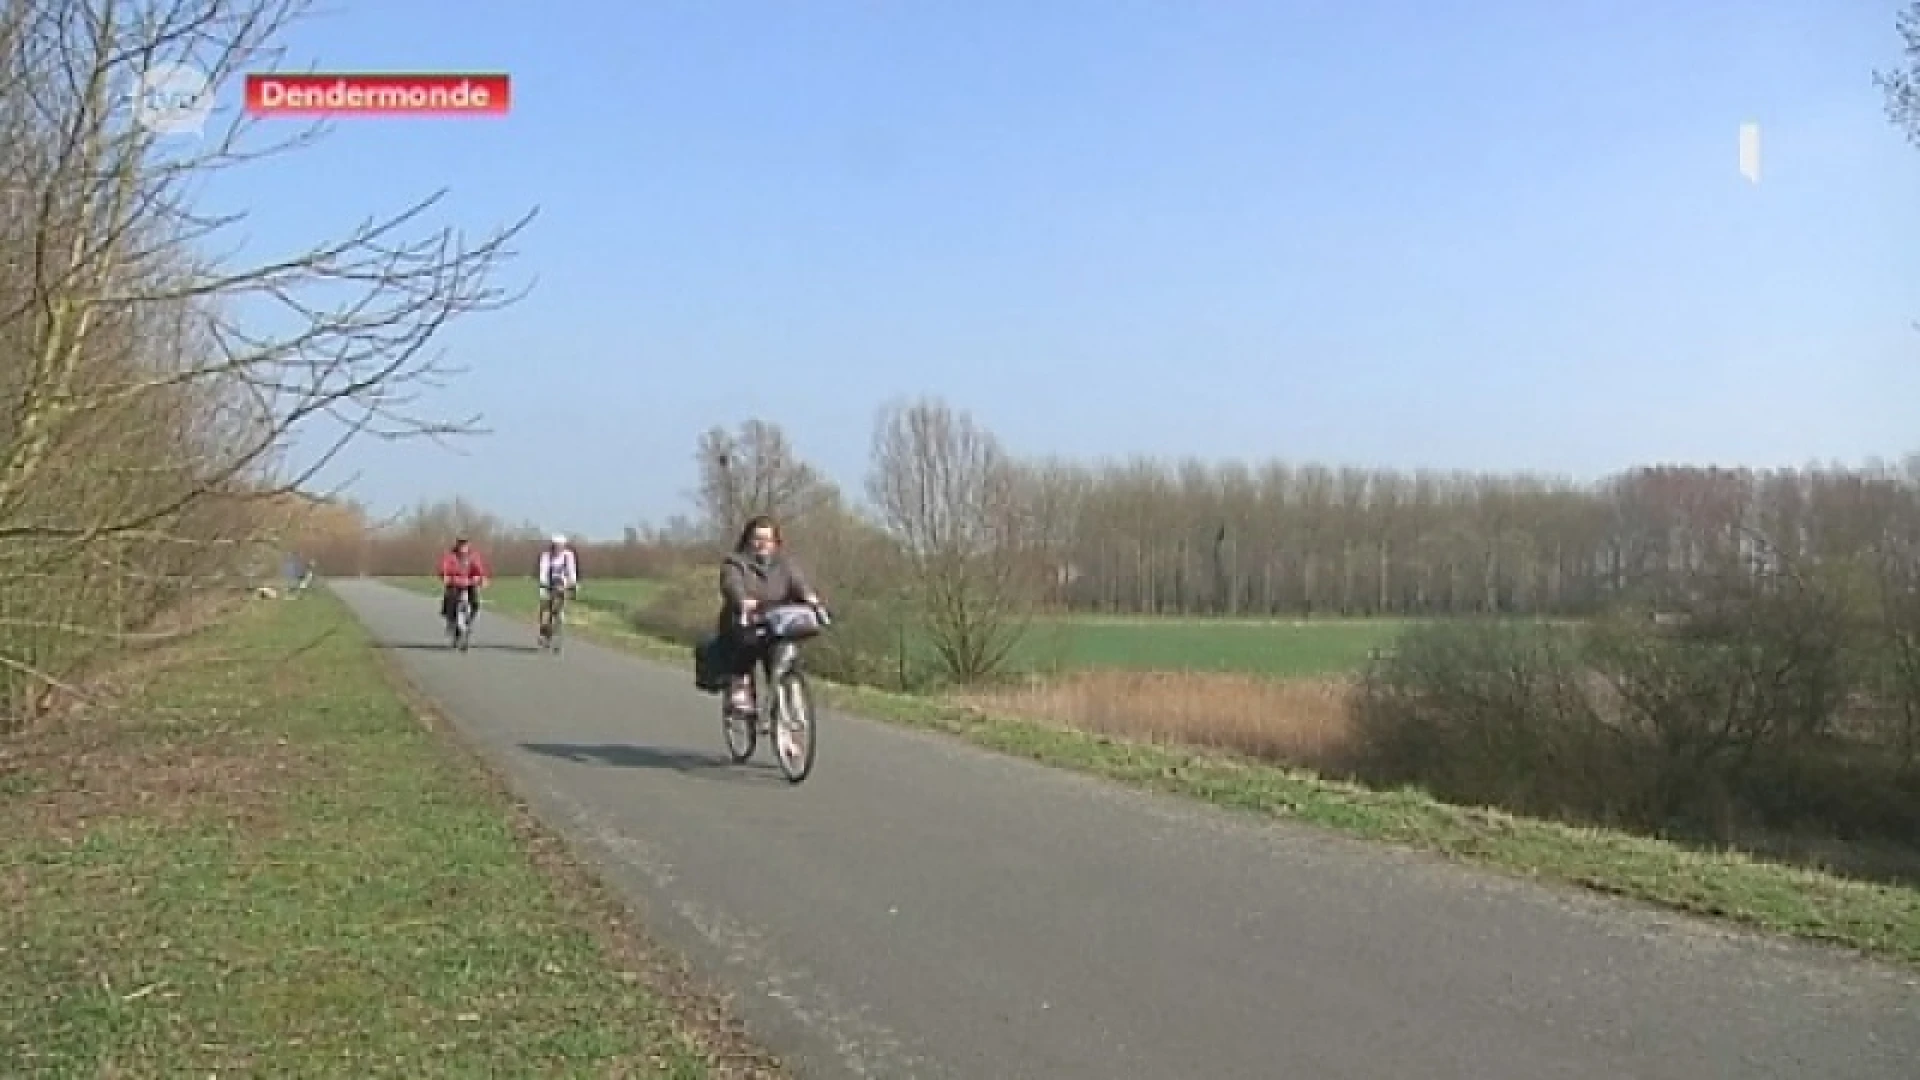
(553, 616)
(462, 627)
(781, 658)
(556, 603)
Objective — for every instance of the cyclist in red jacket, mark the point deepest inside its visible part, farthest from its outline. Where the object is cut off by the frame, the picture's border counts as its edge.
(461, 568)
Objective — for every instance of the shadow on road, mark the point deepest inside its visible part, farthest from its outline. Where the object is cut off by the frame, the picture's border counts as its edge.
(624, 756)
(441, 646)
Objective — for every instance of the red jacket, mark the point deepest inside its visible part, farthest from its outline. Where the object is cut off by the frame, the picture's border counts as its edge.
(473, 573)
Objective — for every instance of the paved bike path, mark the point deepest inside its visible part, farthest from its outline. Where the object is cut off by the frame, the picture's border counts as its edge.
(920, 908)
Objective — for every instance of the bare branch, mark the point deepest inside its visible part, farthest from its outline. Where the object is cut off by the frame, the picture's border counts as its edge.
(152, 387)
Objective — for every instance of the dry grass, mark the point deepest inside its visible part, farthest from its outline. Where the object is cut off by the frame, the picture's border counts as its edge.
(1295, 721)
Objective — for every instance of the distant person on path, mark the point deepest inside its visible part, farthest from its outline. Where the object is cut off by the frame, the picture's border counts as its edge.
(558, 574)
(757, 576)
(461, 569)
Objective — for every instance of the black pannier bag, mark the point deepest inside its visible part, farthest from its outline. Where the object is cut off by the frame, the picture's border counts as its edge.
(709, 664)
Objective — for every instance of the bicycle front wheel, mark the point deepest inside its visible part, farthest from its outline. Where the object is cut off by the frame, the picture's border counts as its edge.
(795, 734)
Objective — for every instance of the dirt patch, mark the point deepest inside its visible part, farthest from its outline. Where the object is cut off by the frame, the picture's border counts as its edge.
(113, 754)
(199, 612)
(109, 677)
(1292, 721)
(699, 1012)
(67, 780)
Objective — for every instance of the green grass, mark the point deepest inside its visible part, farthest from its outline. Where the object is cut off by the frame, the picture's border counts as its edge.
(1882, 920)
(614, 594)
(1282, 648)
(266, 863)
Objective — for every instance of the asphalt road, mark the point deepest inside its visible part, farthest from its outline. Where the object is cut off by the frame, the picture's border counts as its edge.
(919, 908)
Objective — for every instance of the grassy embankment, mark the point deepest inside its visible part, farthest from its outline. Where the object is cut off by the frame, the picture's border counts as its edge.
(1164, 732)
(267, 862)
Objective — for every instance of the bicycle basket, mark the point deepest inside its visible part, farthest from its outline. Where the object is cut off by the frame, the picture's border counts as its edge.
(792, 621)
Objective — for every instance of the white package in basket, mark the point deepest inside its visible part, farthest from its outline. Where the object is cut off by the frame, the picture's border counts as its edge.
(793, 621)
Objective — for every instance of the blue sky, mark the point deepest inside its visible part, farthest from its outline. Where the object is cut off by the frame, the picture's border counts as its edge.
(1509, 235)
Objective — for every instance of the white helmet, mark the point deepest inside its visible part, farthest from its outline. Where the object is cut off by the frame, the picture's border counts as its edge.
(559, 540)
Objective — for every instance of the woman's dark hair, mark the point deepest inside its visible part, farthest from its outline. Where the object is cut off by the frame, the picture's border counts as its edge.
(755, 523)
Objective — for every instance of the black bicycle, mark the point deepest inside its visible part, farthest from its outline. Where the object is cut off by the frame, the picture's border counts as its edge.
(788, 712)
(555, 604)
(460, 629)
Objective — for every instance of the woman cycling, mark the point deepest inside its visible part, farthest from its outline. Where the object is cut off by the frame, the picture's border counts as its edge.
(757, 576)
(461, 570)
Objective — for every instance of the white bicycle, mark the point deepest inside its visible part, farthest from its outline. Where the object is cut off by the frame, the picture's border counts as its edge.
(789, 715)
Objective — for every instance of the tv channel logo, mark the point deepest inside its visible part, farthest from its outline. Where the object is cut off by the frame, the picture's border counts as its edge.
(172, 99)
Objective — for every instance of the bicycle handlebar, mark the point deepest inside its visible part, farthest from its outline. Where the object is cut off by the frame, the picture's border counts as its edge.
(758, 617)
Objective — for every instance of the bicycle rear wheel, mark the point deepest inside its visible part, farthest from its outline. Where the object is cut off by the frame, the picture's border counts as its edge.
(795, 735)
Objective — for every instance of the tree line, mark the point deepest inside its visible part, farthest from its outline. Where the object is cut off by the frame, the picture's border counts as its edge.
(1303, 540)
(343, 539)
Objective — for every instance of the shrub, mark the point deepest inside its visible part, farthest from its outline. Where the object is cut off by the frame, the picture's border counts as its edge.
(1487, 712)
(1754, 712)
(683, 608)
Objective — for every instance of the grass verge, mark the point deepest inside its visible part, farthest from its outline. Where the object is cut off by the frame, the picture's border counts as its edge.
(264, 862)
(1881, 920)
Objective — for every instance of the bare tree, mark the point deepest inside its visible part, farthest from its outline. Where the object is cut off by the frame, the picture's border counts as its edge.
(1901, 85)
(948, 494)
(144, 367)
(756, 471)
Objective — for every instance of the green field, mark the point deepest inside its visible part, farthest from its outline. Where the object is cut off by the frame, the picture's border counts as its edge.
(613, 594)
(1288, 649)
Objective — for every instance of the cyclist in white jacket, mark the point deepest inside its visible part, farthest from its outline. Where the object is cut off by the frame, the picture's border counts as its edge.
(557, 576)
